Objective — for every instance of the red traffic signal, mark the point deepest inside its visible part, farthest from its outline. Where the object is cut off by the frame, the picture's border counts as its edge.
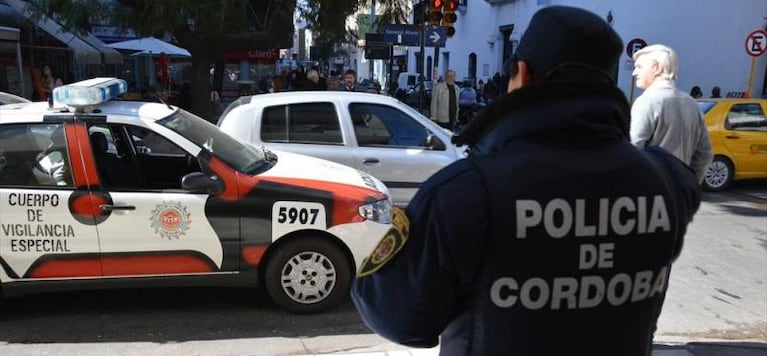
(435, 12)
(449, 17)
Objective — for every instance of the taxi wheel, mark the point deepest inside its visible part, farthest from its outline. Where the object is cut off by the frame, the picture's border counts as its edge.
(718, 174)
(307, 275)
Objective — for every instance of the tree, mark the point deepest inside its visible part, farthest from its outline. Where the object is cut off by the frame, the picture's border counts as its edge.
(208, 28)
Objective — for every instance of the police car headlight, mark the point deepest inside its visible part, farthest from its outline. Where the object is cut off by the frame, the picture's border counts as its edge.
(378, 211)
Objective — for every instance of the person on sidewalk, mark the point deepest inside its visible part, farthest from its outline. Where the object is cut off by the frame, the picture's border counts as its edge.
(444, 101)
(555, 236)
(666, 116)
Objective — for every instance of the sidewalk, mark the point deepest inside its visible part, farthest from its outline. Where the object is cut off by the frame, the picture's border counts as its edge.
(334, 345)
(666, 347)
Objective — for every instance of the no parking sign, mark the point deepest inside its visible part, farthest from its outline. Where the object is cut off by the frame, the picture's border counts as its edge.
(756, 45)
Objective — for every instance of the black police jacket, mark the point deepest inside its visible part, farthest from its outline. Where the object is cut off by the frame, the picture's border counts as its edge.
(554, 237)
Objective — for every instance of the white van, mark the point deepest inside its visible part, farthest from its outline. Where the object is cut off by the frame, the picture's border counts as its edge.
(407, 80)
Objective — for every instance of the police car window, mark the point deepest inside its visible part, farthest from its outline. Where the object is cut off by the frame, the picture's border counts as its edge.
(372, 123)
(746, 117)
(301, 123)
(240, 156)
(34, 155)
(148, 142)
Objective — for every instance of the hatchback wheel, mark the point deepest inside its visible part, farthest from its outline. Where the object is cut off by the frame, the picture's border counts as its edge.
(307, 275)
(718, 174)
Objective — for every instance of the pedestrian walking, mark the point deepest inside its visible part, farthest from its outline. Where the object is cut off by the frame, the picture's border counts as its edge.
(444, 101)
(664, 115)
(555, 235)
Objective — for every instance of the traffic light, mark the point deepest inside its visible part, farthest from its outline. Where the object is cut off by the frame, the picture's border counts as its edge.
(449, 16)
(435, 12)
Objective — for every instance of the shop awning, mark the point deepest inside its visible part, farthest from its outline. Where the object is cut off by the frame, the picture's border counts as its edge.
(84, 53)
(110, 55)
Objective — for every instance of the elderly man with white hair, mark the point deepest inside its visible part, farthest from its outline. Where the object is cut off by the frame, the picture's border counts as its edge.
(664, 115)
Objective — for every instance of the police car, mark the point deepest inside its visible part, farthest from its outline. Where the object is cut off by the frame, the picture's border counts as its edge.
(97, 192)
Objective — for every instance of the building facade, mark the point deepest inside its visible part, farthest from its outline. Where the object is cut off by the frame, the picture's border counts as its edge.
(708, 35)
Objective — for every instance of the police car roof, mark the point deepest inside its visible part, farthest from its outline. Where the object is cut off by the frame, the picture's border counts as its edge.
(115, 110)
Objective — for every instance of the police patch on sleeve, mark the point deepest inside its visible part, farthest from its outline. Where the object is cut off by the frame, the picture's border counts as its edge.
(389, 245)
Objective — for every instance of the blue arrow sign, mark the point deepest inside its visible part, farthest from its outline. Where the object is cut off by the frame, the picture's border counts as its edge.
(435, 36)
(410, 35)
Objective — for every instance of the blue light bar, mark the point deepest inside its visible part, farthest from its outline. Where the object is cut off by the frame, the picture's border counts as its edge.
(89, 92)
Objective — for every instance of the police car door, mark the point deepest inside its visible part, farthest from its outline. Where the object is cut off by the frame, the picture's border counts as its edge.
(154, 227)
(47, 229)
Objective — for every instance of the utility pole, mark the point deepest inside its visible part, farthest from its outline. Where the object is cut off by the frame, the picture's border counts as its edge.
(372, 27)
(422, 64)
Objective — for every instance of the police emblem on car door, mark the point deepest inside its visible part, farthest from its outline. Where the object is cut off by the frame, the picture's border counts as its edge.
(154, 227)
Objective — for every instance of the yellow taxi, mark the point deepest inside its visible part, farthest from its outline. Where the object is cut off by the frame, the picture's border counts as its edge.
(738, 131)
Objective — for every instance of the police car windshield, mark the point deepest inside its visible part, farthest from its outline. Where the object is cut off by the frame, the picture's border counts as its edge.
(242, 157)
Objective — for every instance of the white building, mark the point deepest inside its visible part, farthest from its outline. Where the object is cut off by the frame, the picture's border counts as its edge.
(708, 35)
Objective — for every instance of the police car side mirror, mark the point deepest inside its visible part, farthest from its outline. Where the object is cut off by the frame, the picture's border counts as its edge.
(200, 182)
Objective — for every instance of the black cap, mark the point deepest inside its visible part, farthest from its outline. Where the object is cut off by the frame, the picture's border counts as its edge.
(559, 36)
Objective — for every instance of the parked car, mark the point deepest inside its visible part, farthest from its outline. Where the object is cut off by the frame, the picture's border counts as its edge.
(101, 193)
(8, 98)
(738, 132)
(373, 133)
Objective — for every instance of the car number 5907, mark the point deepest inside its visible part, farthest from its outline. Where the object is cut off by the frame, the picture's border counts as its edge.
(302, 215)
(295, 214)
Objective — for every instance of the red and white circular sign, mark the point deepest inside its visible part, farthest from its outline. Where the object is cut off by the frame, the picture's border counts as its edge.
(756, 43)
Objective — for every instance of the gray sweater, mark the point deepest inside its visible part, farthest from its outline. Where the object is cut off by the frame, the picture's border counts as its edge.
(668, 117)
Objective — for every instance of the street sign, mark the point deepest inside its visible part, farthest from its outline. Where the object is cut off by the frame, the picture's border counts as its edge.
(435, 36)
(756, 43)
(635, 45)
(376, 47)
(410, 35)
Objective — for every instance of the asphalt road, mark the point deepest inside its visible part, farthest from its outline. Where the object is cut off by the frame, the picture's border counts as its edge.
(718, 290)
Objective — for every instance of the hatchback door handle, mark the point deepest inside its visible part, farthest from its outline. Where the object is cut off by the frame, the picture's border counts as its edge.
(370, 161)
(110, 207)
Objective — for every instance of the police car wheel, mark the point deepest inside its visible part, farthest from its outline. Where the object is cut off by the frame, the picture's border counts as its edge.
(718, 174)
(307, 275)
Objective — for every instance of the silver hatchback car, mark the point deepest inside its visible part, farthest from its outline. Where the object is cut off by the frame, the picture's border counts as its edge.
(373, 133)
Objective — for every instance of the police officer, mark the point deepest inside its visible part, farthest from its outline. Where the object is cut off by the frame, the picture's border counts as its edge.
(556, 235)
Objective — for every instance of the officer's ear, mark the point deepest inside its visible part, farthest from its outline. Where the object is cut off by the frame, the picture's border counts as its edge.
(520, 76)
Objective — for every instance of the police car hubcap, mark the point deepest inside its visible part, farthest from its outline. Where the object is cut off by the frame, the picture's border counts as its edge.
(308, 277)
(716, 174)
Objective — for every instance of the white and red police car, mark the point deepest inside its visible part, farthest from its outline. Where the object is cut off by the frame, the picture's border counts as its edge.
(97, 192)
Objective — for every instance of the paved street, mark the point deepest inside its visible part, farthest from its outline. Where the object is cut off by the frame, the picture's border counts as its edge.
(716, 305)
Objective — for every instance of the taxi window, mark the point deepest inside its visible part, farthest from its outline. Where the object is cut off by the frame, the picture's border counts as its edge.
(382, 125)
(746, 117)
(34, 155)
(301, 123)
